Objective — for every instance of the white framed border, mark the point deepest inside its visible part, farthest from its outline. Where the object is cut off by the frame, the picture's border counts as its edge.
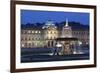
(20, 65)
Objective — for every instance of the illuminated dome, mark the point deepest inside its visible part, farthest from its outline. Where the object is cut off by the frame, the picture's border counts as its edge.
(49, 24)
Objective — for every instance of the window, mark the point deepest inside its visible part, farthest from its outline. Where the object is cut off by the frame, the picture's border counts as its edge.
(48, 31)
(29, 44)
(51, 38)
(36, 31)
(51, 32)
(32, 31)
(39, 32)
(23, 45)
(55, 32)
(29, 31)
(25, 38)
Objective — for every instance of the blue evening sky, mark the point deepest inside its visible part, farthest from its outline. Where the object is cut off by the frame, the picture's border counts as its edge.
(33, 16)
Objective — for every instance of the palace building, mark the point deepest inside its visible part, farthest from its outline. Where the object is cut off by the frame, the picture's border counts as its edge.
(49, 34)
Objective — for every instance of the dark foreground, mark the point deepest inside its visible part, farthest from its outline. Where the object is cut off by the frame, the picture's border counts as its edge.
(45, 55)
(43, 58)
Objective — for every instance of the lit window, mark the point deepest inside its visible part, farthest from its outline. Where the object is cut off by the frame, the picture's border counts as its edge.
(39, 32)
(36, 31)
(29, 31)
(32, 31)
(23, 45)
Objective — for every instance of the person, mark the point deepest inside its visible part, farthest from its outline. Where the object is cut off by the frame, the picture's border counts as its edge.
(57, 49)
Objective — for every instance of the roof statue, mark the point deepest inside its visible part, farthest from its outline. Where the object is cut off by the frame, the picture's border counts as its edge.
(66, 25)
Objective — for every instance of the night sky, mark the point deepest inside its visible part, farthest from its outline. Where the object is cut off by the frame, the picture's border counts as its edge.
(33, 16)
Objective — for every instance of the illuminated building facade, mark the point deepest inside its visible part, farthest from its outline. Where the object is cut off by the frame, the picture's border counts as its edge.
(46, 36)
